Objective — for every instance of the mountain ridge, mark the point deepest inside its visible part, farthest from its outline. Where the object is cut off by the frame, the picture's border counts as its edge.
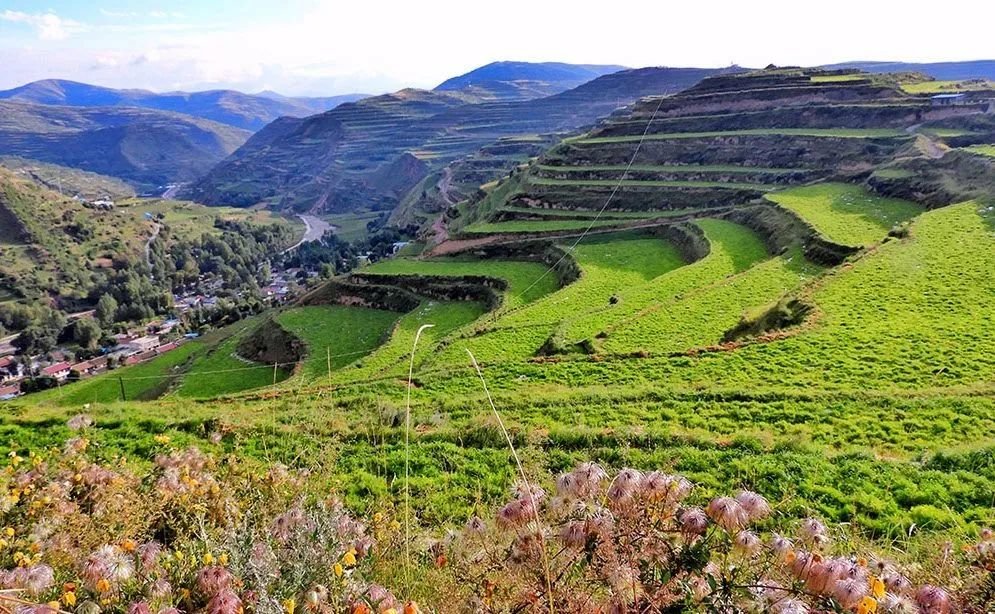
(246, 111)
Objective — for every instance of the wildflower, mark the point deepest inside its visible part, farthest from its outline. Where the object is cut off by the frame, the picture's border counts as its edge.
(574, 534)
(933, 600)
(225, 602)
(694, 522)
(208, 558)
(162, 439)
(312, 600)
(514, 514)
(139, 607)
(338, 570)
(160, 589)
(128, 545)
(812, 532)
(8, 531)
(867, 605)
(850, 592)
(38, 578)
(756, 506)
(88, 607)
(69, 599)
(669, 489)
(148, 554)
(289, 605)
(102, 585)
(747, 543)
(411, 607)
(728, 513)
(80, 422)
(360, 608)
(877, 588)
(349, 558)
(212, 580)
(625, 486)
(223, 558)
(475, 526)
(581, 483)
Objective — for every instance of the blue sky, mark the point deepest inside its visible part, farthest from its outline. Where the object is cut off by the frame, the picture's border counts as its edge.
(324, 47)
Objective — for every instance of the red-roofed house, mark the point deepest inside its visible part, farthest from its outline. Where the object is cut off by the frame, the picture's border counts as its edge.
(9, 392)
(59, 371)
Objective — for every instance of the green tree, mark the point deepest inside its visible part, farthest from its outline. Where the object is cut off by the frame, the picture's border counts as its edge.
(86, 333)
(106, 310)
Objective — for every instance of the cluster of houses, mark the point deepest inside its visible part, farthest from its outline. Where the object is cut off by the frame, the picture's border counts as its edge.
(133, 347)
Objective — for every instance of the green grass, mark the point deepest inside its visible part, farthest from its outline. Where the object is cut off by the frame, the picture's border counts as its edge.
(344, 333)
(669, 168)
(648, 183)
(985, 150)
(538, 226)
(849, 133)
(351, 227)
(945, 87)
(217, 372)
(608, 214)
(141, 382)
(846, 214)
(526, 280)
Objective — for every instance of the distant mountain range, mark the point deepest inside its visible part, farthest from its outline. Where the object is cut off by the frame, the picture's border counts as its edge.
(944, 71)
(146, 147)
(370, 153)
(523, 80)
(246, 111)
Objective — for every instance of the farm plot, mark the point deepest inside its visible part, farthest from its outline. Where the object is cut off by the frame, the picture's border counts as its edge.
(846, 214)
(336, 334)
(985, 150)
(842, 133)
(648, 183)
(538, 226)
(668, 168)
(218, 372)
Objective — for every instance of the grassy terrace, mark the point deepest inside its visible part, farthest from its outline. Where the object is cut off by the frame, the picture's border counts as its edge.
(335, 333)
(848, 133)
(985, 150)
(588, 213)
(525, 226)
(846, 214)
(649, 183)
(669, 168)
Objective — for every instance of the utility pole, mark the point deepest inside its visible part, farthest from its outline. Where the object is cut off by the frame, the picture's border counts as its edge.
(120, 380)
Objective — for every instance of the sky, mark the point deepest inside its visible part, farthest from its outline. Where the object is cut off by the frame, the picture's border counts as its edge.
(313, 47)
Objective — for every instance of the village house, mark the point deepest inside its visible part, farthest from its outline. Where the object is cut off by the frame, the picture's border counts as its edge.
(60, 371)
(9, 392)
(9, 369)
(90, 367)
(143, 344)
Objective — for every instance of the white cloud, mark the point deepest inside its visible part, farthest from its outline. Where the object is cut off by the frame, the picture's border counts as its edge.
(48, 25)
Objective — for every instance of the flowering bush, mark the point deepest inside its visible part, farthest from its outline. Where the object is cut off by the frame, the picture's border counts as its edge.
(189, 534)
(193, 533)
(633, 544)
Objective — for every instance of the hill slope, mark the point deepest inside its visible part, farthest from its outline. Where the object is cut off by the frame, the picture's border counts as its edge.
(331, 161)
(523, 80)
(142, 146)
(944, 71)
(245, 111)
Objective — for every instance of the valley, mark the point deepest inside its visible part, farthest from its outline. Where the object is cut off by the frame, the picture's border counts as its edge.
(776, 281)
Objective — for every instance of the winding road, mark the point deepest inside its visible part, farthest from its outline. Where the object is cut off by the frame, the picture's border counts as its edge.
(314, 229)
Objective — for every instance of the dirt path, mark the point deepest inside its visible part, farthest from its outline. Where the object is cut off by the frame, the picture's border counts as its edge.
(314, 229)
(445, 184)
(171, 191)
(148, 244)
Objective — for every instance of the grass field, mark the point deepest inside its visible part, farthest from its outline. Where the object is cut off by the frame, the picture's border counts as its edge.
(848, 133)
(846, 214)
(588, 213)
(945, 87)
(985, 150)
(647, 183)
(669, 168)
(343, 333)
(526, 280)
(351, 227)
(217, 372)
(538, 226)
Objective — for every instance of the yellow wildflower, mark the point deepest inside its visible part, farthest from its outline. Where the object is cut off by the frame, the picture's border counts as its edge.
(162, 439)
(208, 559)
(877, 588)
(178, 555)
(128, 545)
(54, 605)
(349, 558)
(8, 531)
(289, 605)
(103, 585)
(337, 569)
(69, 599)
(3, 544)
(867, 605)
(223, 559)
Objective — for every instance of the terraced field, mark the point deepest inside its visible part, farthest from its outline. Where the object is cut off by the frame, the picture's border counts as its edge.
(846, 214)
(782, 339)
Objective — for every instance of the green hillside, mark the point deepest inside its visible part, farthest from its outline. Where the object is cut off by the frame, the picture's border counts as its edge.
(786, 287)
